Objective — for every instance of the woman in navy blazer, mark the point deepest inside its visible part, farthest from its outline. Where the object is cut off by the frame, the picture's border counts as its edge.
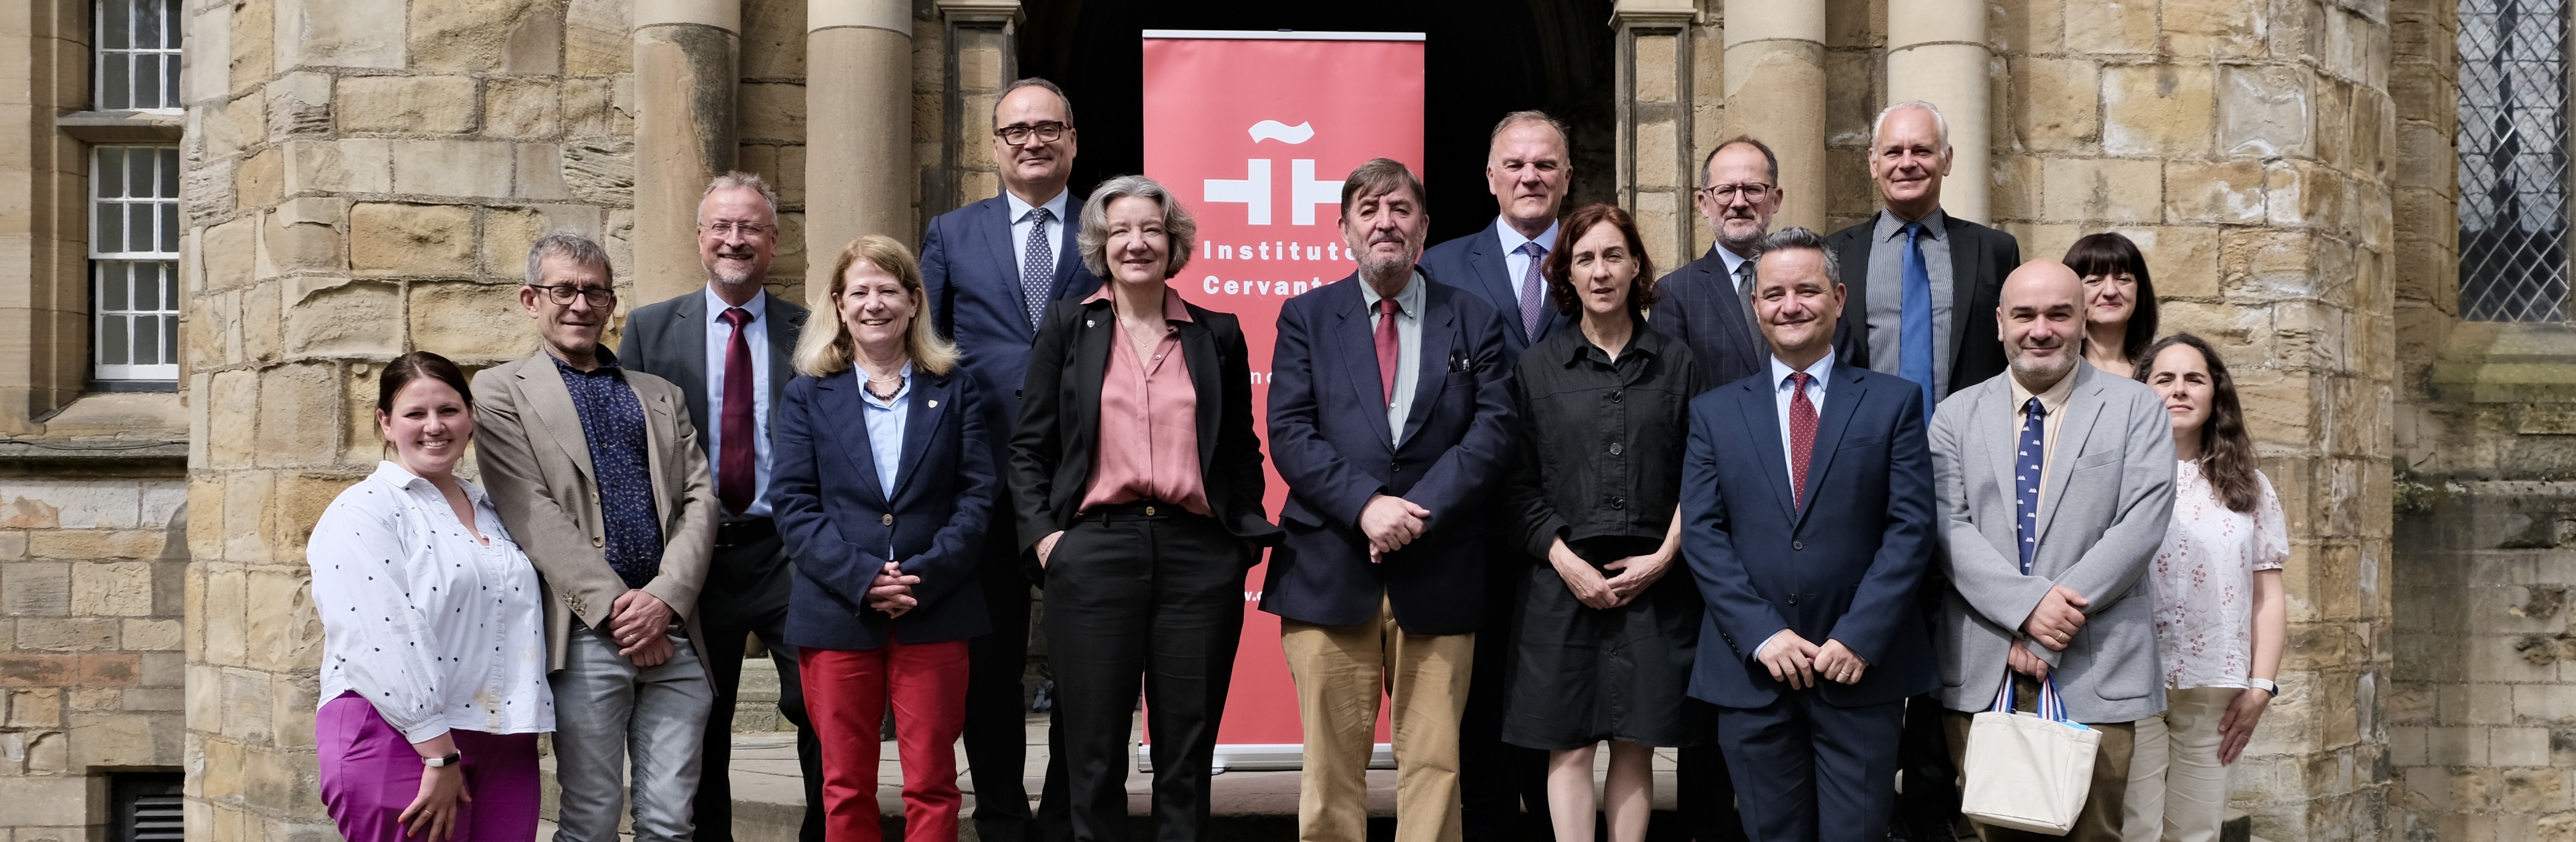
(882, 482)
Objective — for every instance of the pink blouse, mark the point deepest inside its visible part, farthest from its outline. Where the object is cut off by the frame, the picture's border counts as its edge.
(2203, 579)
(1149, 420)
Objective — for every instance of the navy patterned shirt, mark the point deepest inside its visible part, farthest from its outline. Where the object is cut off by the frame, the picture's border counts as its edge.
(612, 421)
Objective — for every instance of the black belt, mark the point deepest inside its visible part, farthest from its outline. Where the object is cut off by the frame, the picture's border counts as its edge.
(745, 532)
(1135, 510)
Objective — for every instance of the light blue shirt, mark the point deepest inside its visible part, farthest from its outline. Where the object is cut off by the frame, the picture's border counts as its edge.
(885, 426)
(756, 334)
(1516, 264)
(1057, 230)
(1819, 373)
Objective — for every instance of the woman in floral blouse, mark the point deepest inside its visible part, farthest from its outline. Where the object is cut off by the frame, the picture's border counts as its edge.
(2220, 615)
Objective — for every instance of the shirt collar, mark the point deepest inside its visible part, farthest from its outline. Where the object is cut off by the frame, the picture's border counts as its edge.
(1890, 227)
(1734, 262)
(758, 306)
(1407, 300)
(1512, 238)
(1174, 309)
(607, 361)
(1818, 373)
(1642, 341)
(2054, 399)
(393, 473)
(1020, 209)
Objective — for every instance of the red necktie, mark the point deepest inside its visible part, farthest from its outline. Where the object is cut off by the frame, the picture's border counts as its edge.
(1802, 437)
(1386, 347)
(734, 472)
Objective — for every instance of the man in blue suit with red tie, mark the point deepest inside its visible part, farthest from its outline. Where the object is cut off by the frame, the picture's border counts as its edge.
(1807, 523)
(990, 270)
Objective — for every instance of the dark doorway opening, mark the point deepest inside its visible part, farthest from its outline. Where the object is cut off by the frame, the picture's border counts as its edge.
(1482, 59)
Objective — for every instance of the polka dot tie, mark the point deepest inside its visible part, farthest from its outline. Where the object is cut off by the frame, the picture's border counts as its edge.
(1802, 437)
(2028, 467)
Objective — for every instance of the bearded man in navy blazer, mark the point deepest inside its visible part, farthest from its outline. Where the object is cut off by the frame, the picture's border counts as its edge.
(990, 269)
(1807, 523)
(1390, 418)
(1529, 168)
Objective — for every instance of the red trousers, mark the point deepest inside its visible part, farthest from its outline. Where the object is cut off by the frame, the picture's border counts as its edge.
(846, 692)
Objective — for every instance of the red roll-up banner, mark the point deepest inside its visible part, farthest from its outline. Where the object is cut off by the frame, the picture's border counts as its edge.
(1255, 132)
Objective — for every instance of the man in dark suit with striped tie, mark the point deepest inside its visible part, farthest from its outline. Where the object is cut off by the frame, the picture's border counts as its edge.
(1705, 302)
(990, 270)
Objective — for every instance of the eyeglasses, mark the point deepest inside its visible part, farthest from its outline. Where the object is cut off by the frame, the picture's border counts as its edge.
(727, 229)
(1047, 132)
(1753, 191)
(564, 293)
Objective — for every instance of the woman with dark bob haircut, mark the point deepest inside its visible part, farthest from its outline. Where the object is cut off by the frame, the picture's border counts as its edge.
(433, 653)
(2119, 301)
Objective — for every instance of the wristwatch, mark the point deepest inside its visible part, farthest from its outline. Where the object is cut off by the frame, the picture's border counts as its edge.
(451, 759)
(2265, 686)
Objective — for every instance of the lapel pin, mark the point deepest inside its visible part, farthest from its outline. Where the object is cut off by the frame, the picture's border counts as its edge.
(934, 404)
(1086, 323)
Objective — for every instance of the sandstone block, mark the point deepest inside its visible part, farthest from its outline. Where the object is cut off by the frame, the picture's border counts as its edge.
(13, 546)
(164, 505)
(298, 503)
(232, 126)
(75, 634)
(2111, 27)
(120, 589)
(36, 589)
(247, 706)
(2511, 747)
(2104, 189)
(2229, 192)
(407, 104)
(595, 38)
(299, 104)
(206, 65)
(2212, 29)
(302, 235)
(206, 192)
(2059, 103)
(507, 233)
(40, 707)
(232, 405)
(21, 512)
(288, 439)
(36, 669)
(152, 634)
(258, 180)
(353, 165)
(475, 168)
(1654, 69)
(2184, 260)
(339, 33)
(230, 251)
(601, 171)
(2263, 111)
(538, 172)
(116, 740)
(344, 319)
(227, 623)
(2162, 110)
(1657, 155)
(522, 108)
(259, 310)
(773, 39)
(598, 107)
(771, 111)
(468, 35)
(155, 700)
(407, 239)
(47, 801)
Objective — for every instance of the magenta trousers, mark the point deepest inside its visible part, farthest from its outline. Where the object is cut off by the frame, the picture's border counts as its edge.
(369, 774)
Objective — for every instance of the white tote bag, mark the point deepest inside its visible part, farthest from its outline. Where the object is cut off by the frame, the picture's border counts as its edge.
(2028, 771)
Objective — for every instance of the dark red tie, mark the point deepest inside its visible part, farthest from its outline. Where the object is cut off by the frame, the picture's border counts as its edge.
(734, 471)
(1802, 437)
(1386, 352)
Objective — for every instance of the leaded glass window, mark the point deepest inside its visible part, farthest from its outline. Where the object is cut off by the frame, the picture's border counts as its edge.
(134, 262)
(138, 55)
(2513, 160)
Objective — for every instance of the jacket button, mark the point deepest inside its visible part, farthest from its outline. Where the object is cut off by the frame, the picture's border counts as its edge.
(1399, 469)
(1797, 545)
(1618, 502)
(1615, 449)
(597, 541)
(1015, 393)
(887, 518)
(1793, 599)
(1614, 396)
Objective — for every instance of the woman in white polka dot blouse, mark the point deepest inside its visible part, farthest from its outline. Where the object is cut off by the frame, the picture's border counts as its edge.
(433, 656)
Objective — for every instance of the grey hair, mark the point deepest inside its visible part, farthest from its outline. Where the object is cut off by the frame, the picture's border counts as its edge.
(1178, 228)
(1799, 237)
(739, 180)
(1033, 82)
(1940, 124)
(1769, 159)
(1563, 138)
(568, 244)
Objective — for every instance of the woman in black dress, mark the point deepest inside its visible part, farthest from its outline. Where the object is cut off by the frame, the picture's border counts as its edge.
(1606, 636)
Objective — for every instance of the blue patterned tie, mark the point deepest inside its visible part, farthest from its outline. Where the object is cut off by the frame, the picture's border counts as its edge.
(1914, 326)
(1531, 290)
(2027, 470)
(1037, 264)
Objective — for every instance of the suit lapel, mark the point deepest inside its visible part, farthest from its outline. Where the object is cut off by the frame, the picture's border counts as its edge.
(1198, 348)
(929, 404)
(1358, 350)
(786, 323)
(2083, 407)
(1761, 409)
(658, 413)
(551, 403)
(1963, 283)
(1485, 258)
(1006, 258)
(1068, 258)
(1437, 339)
(844, 425)
(1734, 313)
(690, 327)
(1842, 396)
(1091, 340)
(1992, 419)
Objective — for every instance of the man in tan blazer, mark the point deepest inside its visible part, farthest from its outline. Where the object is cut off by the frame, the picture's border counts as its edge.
(598, 473)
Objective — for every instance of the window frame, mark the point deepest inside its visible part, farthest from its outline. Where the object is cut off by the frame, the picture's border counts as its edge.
(166, 56)
(103, 263)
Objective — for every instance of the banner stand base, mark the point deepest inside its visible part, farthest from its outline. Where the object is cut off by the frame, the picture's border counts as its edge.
(1276, 757)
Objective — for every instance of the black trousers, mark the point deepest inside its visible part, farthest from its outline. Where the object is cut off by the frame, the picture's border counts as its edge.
(746, 594)
(1810, 771)
(1502, 788)
(996, 701)
(1704, 791)
(1155, 600)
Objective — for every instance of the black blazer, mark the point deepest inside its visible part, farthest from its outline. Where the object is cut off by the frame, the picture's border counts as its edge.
(668, 339)
(838, 524)
(1980, 257)
(1329, 437)
(1052, 450)
(1702, 308)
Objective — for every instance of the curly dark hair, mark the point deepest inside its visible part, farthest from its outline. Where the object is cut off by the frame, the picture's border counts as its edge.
(1558, 267)
(2226, 450)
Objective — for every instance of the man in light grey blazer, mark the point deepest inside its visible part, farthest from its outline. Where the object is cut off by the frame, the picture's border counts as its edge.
(598, 475)
(2055, 482)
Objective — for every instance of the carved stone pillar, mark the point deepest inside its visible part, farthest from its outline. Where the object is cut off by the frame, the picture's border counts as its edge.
(1936, 52)
(687, 67)
(1775, 91)
(858, 128)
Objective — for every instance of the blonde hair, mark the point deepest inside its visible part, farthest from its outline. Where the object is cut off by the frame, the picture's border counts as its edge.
(823, 352)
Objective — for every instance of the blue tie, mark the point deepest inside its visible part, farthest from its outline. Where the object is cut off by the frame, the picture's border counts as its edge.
(2027, 469)
(1914, 326)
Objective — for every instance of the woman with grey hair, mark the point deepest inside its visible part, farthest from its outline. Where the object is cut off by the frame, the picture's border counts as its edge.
(1136, 481)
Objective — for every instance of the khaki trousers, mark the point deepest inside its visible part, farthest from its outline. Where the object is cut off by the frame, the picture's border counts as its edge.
(1340, 672)
(2103, 804)
(2177, 787)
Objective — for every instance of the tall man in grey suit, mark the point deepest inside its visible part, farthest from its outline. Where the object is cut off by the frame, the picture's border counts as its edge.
(2055, 482)
(1707, 302)
(597, 472)
(726, 345)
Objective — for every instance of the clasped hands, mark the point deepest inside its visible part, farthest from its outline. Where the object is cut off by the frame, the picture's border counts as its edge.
(639, 621)
(1795, 662)
(2054, 623)
(1390, 522)
(1629, 576)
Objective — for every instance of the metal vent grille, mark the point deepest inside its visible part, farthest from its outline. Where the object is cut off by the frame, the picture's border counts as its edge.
(149, 807)
(2513, 160)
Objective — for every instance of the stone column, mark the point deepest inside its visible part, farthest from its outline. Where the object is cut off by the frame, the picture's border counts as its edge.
(687, 64)
(1775, 91)
(1936, 52)
(983, 55)
(1654, 120)
(858, 127)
